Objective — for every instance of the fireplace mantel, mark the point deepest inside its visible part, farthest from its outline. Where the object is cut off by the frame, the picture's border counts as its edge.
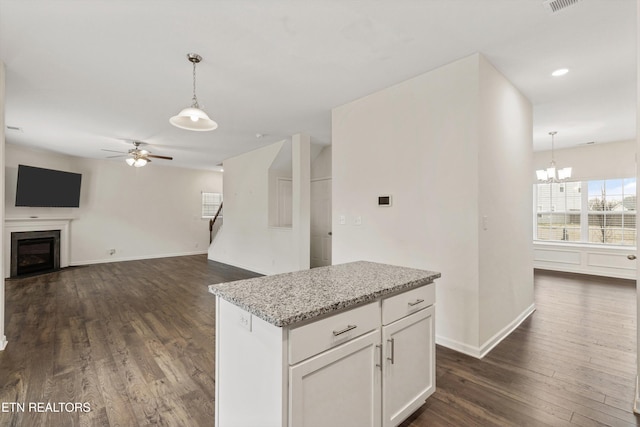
(31, 223)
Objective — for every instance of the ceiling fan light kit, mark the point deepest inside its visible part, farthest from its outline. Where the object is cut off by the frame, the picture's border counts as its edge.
(138, 157)
(193, 117)
(138, 163)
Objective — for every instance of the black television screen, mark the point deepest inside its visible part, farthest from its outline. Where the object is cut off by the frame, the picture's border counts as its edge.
(38, 187)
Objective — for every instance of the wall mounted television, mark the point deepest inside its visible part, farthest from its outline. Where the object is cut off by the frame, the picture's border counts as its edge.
(38, 187)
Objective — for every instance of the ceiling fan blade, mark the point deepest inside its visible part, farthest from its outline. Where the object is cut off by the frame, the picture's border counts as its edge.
(160, 157)
(114, 151)
(120, 155)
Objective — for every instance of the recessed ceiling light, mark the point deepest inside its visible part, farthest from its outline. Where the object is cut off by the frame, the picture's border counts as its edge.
(560, 72)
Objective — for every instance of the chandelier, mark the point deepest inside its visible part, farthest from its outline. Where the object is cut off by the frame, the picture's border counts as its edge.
(552, 173)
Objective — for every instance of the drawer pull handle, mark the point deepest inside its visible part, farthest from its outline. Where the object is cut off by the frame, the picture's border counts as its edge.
(347, 329)
(392, 358)
(380, 347)
(416, 302)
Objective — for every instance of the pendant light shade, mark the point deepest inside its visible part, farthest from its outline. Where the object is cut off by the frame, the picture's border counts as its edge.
(193, 117)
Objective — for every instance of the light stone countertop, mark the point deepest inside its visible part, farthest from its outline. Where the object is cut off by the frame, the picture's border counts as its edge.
(289, 298)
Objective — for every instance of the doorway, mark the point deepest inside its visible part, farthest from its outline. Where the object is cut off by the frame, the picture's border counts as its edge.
(320, 222)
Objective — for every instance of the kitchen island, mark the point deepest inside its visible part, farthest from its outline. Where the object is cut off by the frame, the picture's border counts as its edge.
(344, 345)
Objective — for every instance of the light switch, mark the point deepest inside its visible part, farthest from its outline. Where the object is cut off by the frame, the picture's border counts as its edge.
(342, 220)
(357, 220)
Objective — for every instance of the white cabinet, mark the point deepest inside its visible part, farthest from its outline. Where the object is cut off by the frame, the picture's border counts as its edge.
(340, 387)
(408, 368)
(372, 365)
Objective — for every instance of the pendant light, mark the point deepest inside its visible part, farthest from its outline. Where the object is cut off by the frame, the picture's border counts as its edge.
(549, 174)
(192, 117)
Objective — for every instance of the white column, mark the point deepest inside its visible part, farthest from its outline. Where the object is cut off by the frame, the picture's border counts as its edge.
(636, 404)
(3, 338)
(301, 177)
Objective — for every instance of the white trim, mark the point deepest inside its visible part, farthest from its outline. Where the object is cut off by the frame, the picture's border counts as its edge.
(37, 224)
(458, 346)
(3, 342)
(636, 402)
(593, 259)
(242, 266)
(506, 331)
(136, 258)
(481, 351)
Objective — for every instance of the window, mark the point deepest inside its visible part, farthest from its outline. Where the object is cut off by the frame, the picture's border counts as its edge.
(558, 216)
(210, 204)
(605, 213)
(612, 211)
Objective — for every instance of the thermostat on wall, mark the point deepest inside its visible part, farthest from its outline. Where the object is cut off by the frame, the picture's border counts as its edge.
(384, 200)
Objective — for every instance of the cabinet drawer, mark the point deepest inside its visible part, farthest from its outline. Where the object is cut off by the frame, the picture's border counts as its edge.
(316, 337)
(403, 304)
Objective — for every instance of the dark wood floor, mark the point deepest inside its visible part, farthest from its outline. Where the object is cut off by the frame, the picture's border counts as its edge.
(134, 340)
(572, 362)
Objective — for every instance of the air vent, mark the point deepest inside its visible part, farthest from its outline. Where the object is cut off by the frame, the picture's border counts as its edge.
(554, 6)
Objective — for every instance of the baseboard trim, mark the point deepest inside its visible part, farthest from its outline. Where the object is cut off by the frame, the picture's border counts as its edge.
(506, 331)
(480, 351)
(3, 342)
(458, 346)
(636, 402)
(242, 266)
(135, 258)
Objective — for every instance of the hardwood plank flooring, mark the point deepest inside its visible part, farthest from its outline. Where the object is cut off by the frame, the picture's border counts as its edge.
(135, 341)
(572, 362)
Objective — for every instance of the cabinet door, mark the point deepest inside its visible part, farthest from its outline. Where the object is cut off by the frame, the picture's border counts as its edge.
(409, 365)
(340, 387)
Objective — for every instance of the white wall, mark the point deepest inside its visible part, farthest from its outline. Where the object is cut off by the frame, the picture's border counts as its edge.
(505, 124)
(246, 240)
(321, 164)
(148, 212)
(424, 150)
(3, 338)
(588, 162)
(636, 404)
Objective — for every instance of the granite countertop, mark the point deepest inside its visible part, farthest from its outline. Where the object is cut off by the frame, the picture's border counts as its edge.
(289, 298)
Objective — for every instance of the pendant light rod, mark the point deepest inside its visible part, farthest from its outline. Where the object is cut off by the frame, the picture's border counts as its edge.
(553, 134)
(194, 58)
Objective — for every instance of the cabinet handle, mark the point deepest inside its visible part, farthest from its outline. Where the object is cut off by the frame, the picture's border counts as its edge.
(392, 350)
(380, 347)
(347, 329)
(416, 302)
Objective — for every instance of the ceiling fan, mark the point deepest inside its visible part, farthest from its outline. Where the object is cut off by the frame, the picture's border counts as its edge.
(137, 157)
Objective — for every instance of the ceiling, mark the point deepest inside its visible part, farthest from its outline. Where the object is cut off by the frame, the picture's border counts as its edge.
(82, 76)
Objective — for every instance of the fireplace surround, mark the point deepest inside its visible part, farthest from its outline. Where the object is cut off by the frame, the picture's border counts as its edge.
(33, 223)
(34, 252)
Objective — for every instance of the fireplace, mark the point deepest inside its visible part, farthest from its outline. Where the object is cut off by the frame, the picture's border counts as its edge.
(34, 252)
